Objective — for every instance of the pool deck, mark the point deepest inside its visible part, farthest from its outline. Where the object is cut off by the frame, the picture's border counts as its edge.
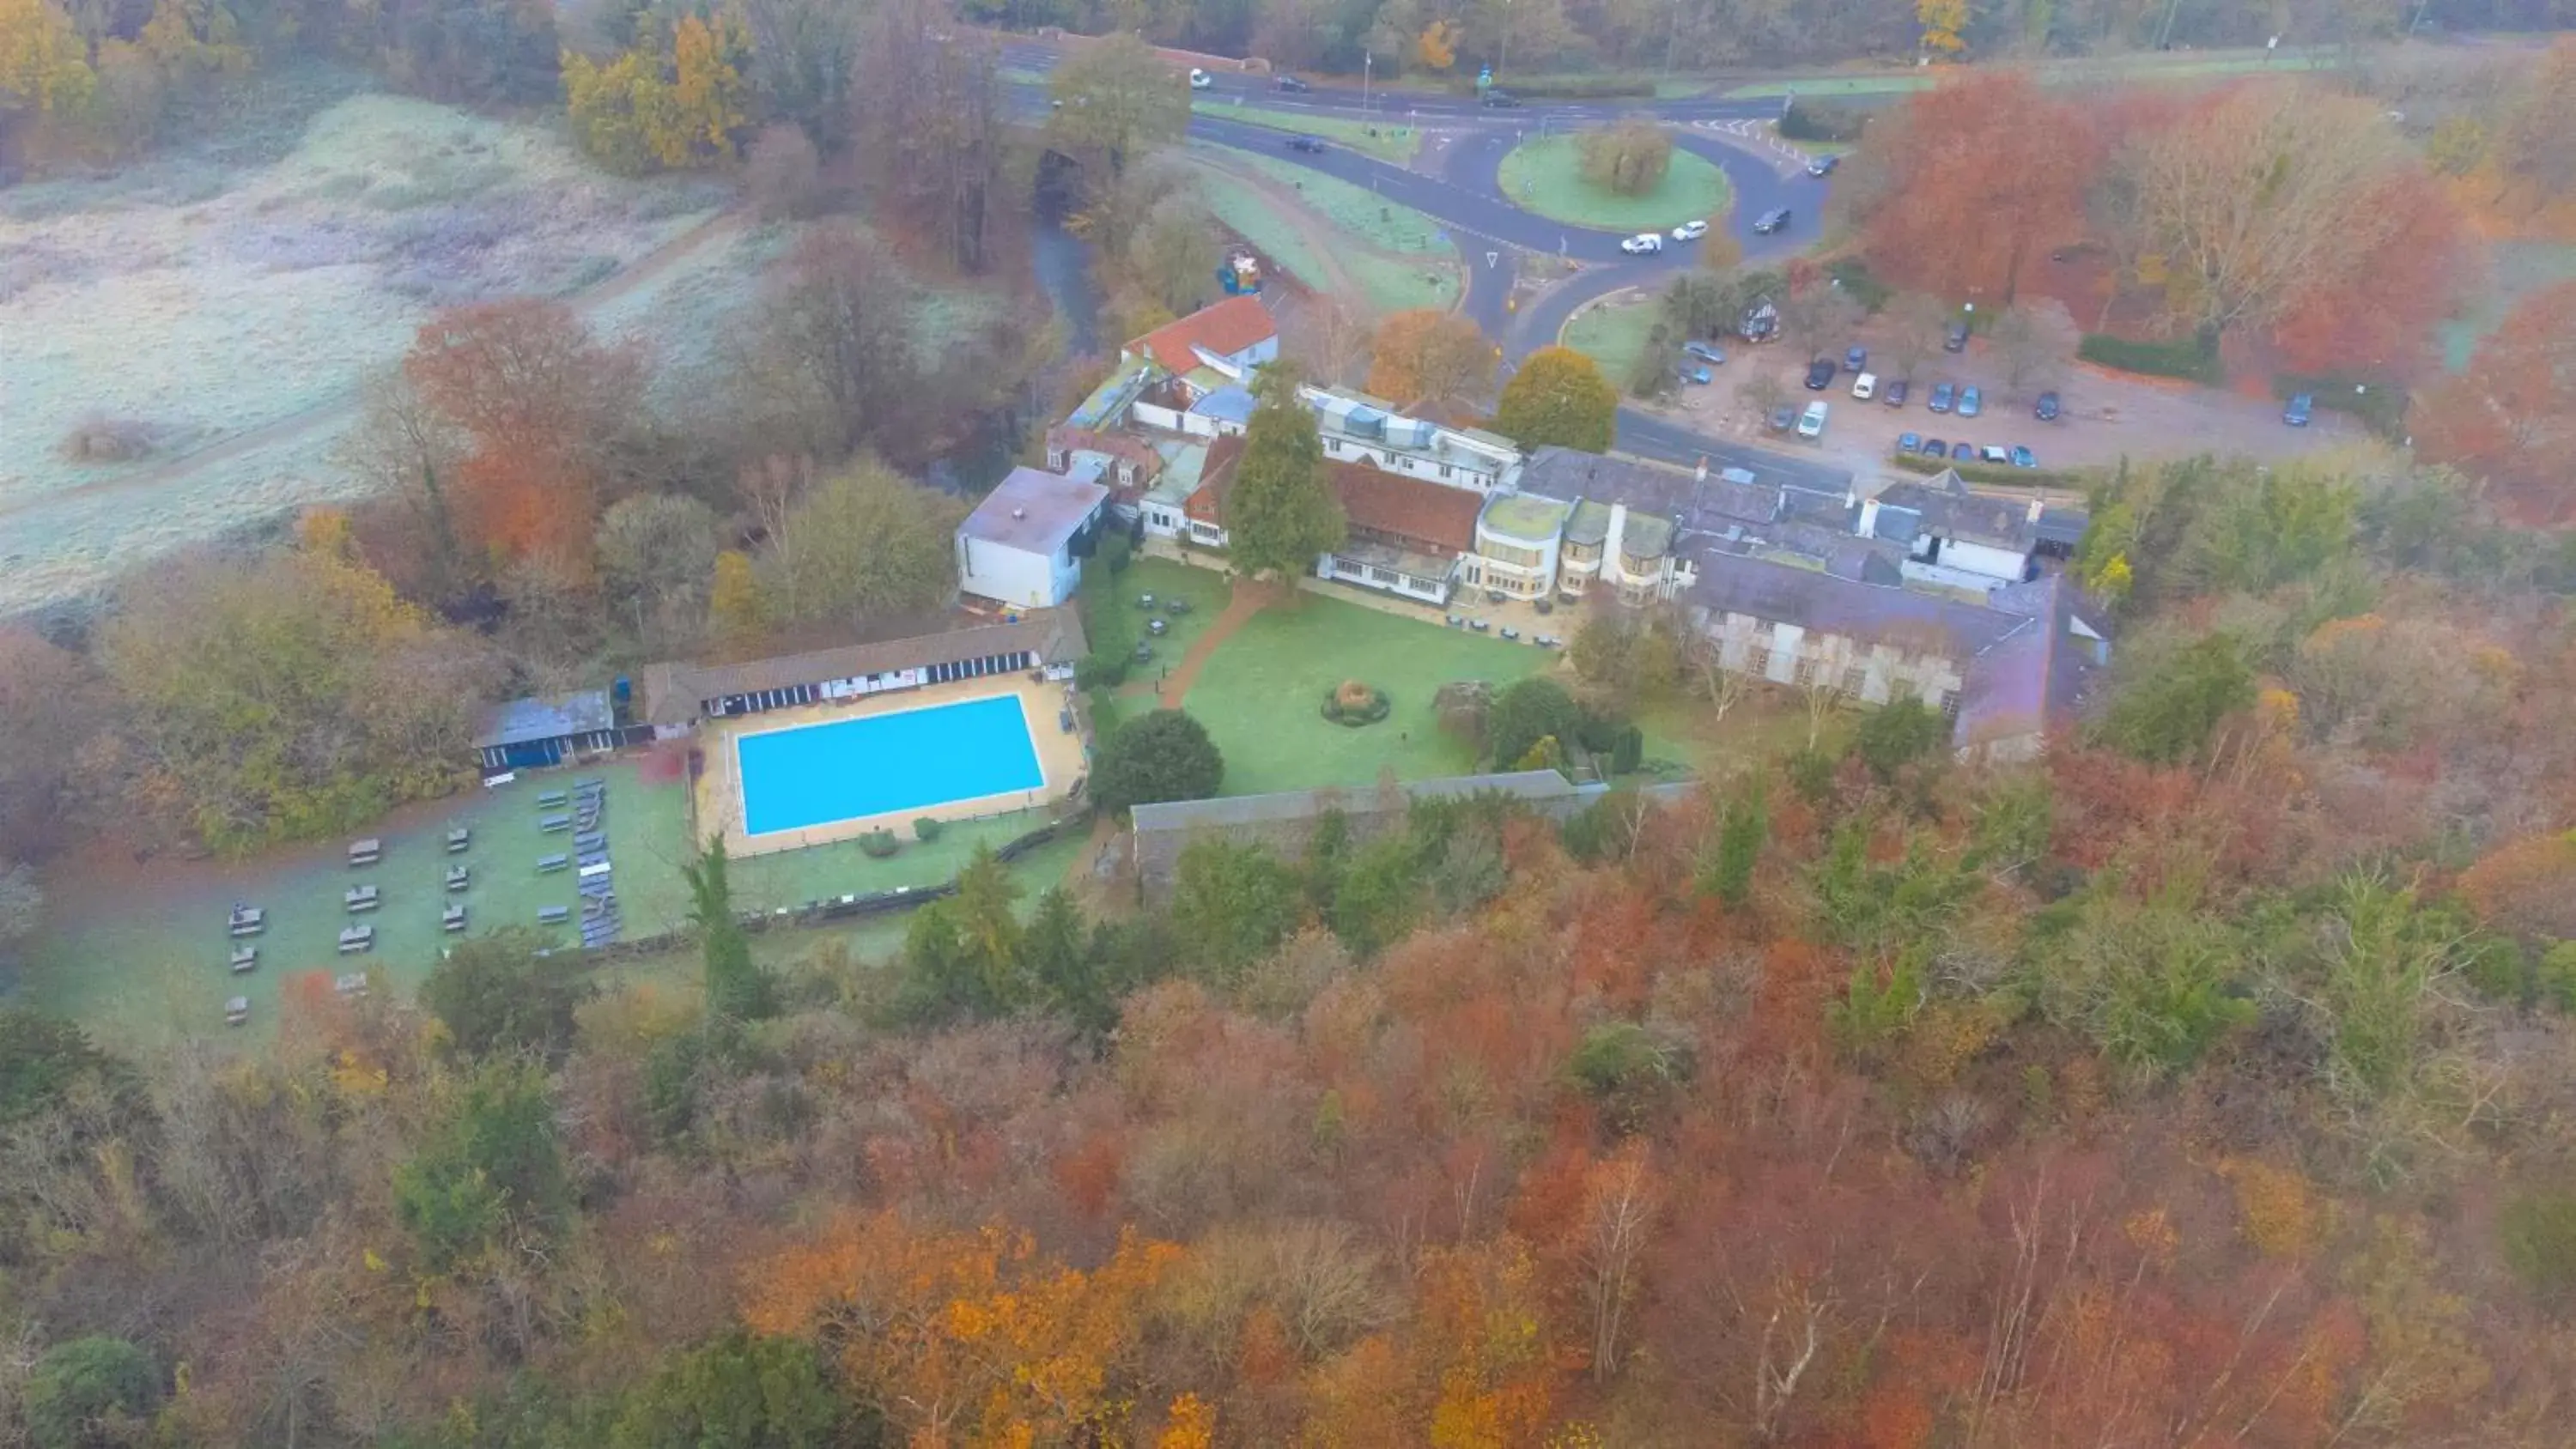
(1062, 759)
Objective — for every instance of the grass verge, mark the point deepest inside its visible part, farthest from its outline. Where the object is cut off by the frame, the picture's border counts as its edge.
(1613, 335)
(1546, 177)
(1369, 138)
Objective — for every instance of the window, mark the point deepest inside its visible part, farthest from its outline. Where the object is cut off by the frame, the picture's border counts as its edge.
(1853, 678)
(1332, 445)
(1444, 470)
(1950, 703)
(1757, 660)
(1805, 673)
(1504, 553)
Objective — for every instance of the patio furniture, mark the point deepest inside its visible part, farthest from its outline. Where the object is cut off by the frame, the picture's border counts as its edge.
(459, 840)
(1064, 720)
(248, 920)
(552, 823)
(1144, 601)
(366, 852)
(1455, 622)
(1176, 606)
(350, 983)
(553, 915)
(236, 1011)
(459, 877)
(589, 858)
(590, 782)
(356, 939)
(452, 919)
(1144, 652)
(590, 840)
(598, 870)
(550, 799)
(1511, 633)
(600, 887)
(245, 958)
(546, 863)
(362, 898)
(1479, 625)
(1157, 627)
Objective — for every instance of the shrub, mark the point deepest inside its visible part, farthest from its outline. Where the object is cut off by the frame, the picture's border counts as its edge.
(1525, 712)
(1806, 121)
(1628, 159)
(1357, 703)
(782, 174)
(2539, 1232)
(1100, 671)
(1629, 752)
(925, 829)
(1860, 284)
(1116, 552)
(1164, 755)
(2193, 358)
(879, 844)
(101, 439)
(85, 1385)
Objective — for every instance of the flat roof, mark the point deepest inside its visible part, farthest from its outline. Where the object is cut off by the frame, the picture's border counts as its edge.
(547, 717)
(1034, 511)
(1525, 516)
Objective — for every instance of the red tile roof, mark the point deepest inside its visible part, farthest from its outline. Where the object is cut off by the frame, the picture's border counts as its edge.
(1222, 330)
(1216, 480)
(1426, 517)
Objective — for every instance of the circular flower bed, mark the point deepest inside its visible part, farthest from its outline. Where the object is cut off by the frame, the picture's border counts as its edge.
(1357, 703)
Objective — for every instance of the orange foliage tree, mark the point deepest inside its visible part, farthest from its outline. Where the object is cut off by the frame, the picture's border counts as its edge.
(968, 1337)
(542, 401)
(1985, 171)
(2384, 327)
(1429, 356)
(2512, 416)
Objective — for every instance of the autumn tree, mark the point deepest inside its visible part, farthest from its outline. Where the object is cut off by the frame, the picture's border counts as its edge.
(931, 127)
(2033, 343)
(657, 555)
(862, 543)
(1628, 159)
(1988, 171)
(1115, 100)
(1427, 357)
(1558, 396)
(2511, 417)
(1281, 514)
(501, 993)
(543, 407)
(52, 705)
(830, 351)
(672, 105)
(493, 1164)
(1232, 904)
(2528, 147)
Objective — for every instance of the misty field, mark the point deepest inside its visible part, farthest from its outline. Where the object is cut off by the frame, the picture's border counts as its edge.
(216, 302)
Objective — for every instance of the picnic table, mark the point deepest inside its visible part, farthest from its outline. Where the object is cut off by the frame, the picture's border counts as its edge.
(553, 862)
(459, 877)
(248, 920)
(362, 898)
(245, 958)
(367, 851)
(452, 919)
(553, 823)
(459, 840)
(551, 798)
(354, 939)
(236, 1011)
(553, 915)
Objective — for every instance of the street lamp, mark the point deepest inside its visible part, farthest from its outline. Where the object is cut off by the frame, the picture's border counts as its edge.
(1503, 61)
(1368, 62)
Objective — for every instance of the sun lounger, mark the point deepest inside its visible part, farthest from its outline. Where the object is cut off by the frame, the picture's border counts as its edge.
(590, 858)
(452, 919)
(355, 939)
(552, 823)
(362, 898)
(459, 877)
(590, 840)
(237, 1011)
(245, 958)
(366, 852)
(590, 782)
(553, 862)
(248, 921)
(553, 915)
(459, 840)
(598, 889)
(551, 798)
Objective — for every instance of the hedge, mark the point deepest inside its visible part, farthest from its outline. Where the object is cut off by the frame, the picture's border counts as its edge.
(2381, 406)
(2001, 474)
(1804, 122)
(2193, 358)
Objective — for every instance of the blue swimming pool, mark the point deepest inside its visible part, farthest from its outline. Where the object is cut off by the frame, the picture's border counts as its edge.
(795, 779)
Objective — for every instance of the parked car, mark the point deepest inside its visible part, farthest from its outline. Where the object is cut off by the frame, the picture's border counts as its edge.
(1956, 339)
(2047, 409)
(1942, 392)
(1772, 220)
(1783, 418)
(2000, 457)
(1287, 82)
(1312, 145)
(2301, 408)
(1909, 442)
(1865, 386)
(1820, 374)
(1971, 401)
(1700, 375)
(1690, 231)
(1811, 423)
(1934, 448)
(1823, 165)
(1704, 352)
(2022, 457)
(1200, 80)
(1894, 395)
(1643, 244)
(1855, 359)
(1499, 100)
(1963, 452)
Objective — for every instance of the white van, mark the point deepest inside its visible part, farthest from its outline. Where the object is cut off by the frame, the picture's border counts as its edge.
(1865, 386)
(1811, 423)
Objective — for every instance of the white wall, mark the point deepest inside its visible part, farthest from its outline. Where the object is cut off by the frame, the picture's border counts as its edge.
(1978, 558)
(1015, 576)
(1431, 591)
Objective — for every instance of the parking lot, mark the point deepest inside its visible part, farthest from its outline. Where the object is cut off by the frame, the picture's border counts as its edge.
(2104, 415)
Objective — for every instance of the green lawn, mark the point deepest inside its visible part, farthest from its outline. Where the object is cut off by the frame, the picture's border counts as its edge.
(1395, 284)
(1252, 216)
(1546, 176)
(1356, 209)
(1391, 283)
(1394, 143)
(1165, 580)
(1613, 335)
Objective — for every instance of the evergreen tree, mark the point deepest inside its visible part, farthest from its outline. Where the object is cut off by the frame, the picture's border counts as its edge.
(736, 988)
(1559, 397)
(1281, 513)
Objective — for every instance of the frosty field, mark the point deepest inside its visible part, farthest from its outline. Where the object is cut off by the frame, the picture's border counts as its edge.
(228, 313)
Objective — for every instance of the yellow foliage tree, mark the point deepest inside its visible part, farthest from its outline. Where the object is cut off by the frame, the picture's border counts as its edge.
(1437, 46)
(1191, 1425)
(1942, 22)
(708, 94)
(44, 67)
(647, 110)
(188, 39)
(734, 604)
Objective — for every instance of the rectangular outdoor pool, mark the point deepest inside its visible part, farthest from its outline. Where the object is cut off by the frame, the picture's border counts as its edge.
(795, 779)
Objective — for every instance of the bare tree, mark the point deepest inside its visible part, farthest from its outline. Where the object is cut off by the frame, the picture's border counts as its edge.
(1821, 317)
(1618, 1221)
(1823, 694)
(831, 345)
(1915, 323)
(2034, 342)
(931, 128)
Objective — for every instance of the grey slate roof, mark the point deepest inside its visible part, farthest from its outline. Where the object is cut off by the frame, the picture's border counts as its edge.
(2034, 678)
(522, 721)
(1837, 604)
(1699, 506)
(673, 691)
(1948, 510)
(1228, 404)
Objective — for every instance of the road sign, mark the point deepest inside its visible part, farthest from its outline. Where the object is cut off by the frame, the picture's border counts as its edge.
(1493, 259)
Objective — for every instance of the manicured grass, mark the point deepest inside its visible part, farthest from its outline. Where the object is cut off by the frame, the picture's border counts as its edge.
(1394, 284)
(1395, 143)
(1253, 217)
(1613, 335)
(1390, 283)
(1165, 580)
(1356, 209)
(1546, 176)
(1262, 693)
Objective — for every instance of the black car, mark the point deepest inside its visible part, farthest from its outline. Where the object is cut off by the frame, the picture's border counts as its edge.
(2046, 412)
(1820, 374)
(1957, 338)
(1313, 145)
(1499, 100)
(1823, 165)
(1772, 220)
(1783, 418)
(1895, 395)
(1291, 83)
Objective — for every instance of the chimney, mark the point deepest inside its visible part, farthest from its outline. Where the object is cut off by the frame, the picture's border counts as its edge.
(2034, 508)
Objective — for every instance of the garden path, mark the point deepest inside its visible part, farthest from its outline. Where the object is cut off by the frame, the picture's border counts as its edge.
(1247, 599)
